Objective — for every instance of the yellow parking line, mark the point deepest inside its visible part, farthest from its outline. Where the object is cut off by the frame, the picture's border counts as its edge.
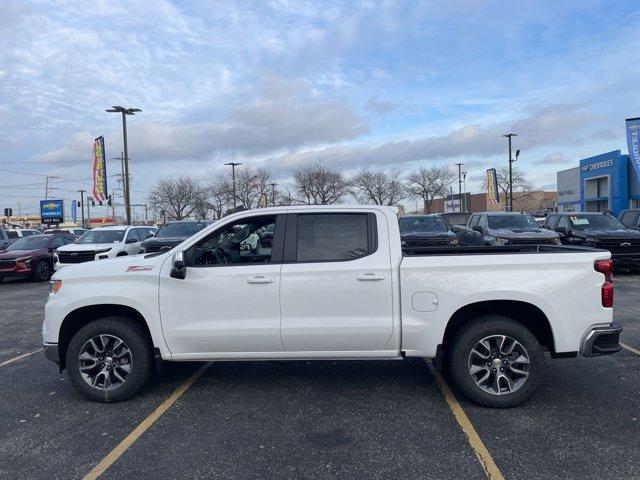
(482, 454)
(122, 447)
(15, 359)
(631, 349)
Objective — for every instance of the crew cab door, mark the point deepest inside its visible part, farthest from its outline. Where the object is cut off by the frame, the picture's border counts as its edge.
(228, 301)
(336, 290)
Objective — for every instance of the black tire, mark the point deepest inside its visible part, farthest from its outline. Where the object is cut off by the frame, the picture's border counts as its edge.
(459, 355)
(42, 271)
(134, 337)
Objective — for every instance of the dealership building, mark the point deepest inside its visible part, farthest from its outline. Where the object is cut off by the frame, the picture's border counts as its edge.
(605, 182)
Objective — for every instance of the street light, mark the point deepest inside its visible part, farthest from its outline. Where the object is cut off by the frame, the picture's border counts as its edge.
(125, 112)
(233, 179)
(464, 190)
(511, 160)
(459, 185)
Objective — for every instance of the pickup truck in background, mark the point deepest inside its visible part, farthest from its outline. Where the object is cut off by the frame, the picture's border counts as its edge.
(334, 284)
(504, 228)
(417, 231)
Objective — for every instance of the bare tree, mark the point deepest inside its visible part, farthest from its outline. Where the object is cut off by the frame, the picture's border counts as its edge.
(378, 187)
(219, 196)
(429, 183)
(178, 197)
(251, 184)
(319, 184)
(522, 188)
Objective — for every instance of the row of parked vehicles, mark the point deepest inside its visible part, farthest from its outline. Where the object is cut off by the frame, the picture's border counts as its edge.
(621, 236)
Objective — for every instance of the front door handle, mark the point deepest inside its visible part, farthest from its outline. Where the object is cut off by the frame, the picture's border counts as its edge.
(370, 277)
(260, 279)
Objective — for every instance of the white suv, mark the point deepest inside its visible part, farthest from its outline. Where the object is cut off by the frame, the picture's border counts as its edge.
(101, 243)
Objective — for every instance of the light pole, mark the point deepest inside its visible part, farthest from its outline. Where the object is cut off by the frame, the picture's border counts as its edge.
(82, 206)
(464, 189)
(233, 180)
(273, 193)
(460, 184)
(125, 112)
(509, 135)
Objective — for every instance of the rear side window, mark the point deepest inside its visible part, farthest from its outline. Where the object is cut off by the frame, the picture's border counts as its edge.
(630, 219)
(327, 237)
(474, 221)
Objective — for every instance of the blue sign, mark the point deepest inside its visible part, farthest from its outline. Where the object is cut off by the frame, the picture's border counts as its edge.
(74, 211)
(52, 211)
(633, 134)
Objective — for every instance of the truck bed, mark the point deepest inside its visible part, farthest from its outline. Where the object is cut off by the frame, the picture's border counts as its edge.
(493, 250)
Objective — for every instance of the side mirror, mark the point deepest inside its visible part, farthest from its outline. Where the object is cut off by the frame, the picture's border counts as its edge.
(131, 240)
(478, 228)
(149, 235)
(562, 230)
(178, 267)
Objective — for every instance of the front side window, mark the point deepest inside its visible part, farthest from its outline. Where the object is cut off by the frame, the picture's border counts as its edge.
(235, 243)
(564, 222)
(629, 219)
(332, 237)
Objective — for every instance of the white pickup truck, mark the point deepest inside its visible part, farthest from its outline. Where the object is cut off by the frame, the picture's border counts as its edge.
(333, 284)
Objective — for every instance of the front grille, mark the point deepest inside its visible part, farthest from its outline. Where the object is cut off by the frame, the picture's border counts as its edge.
(532, 241)
(7, 264)
(77, 257)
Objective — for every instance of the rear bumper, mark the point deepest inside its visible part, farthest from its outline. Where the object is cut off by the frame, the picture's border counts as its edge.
(601, 340)
(51, 352)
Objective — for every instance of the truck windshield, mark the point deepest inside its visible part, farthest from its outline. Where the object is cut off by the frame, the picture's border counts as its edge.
(101, 236)
(30, 243)
(180, 229)
(422, 224)
(512, 221)
(581, 222)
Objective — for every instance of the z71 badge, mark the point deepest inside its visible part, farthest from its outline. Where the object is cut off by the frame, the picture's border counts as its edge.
(139, 268)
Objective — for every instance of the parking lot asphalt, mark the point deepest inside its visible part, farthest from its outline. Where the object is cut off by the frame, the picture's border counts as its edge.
(315, 419)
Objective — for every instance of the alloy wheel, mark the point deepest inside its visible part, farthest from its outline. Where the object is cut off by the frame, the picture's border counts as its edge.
(105, 362)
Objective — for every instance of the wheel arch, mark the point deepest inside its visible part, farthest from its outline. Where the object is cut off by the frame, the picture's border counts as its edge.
(80, 317)
(526, 314)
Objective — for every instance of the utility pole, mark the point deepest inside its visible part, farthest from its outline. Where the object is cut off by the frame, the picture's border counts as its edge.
(46, 185)
(509, 135)
(460, 184)
(273, 193)
(89, 200)
(233, 179)
(82, 206)
(464, 190)
(125, 112)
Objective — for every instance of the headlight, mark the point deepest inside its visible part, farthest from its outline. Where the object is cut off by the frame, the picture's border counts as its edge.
(591, 240)
(102, 251)
(502, 241)
(56, 259)
(454, 241)
(403, 243)
(557, 241)
(54, 286)
(25, 260)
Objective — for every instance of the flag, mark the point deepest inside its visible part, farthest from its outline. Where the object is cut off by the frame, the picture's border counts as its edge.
(99, 171)
(633, 131)
(492, 187)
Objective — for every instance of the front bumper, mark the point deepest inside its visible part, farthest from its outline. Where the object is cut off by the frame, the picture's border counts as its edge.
(628, 261)
(601, 340)
(51, 352)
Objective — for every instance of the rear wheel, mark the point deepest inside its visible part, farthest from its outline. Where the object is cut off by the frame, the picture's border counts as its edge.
(496, 362)
(110, 359)
(42, 271)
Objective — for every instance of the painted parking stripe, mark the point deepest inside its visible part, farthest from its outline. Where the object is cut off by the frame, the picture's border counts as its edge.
(19, 357)
(631, 349)
(482, 454)
(122, 447)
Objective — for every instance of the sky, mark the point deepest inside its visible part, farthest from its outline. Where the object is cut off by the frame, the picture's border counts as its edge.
(280, 83)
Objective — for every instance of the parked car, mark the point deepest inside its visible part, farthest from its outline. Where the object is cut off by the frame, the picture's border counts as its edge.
(17, 233)
(630, 218)
(171, 234)
(32, 256)
(4, 239)
(418, 231)
(600, 231)
(504, 228)
(101, 243)
(335, 285)
(73, 230)
(266, 236)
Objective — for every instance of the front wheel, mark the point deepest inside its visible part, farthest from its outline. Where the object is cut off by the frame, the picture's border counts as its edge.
(42, 271)
(109, 359)
(496, 362)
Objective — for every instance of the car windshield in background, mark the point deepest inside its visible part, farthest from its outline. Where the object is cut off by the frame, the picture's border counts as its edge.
(422, 225)
(581, 222)
(30, 243)
(497, 222)
(101, 236)
(180, 229)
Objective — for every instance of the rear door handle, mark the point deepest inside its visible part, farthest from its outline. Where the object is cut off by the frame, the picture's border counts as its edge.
(370, 277)
(260, 279)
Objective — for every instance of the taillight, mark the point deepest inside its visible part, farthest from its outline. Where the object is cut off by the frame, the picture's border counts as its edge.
(605, 267)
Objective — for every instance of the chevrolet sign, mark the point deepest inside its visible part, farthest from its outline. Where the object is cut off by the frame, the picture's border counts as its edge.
(597, 165)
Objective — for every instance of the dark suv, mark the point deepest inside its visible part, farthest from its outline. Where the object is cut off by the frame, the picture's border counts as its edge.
(630, 218)
(601, 231)
(425, 231)
(504, 228)
(171, 234)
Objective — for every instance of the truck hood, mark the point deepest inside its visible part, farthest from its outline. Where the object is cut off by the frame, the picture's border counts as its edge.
(84, 247)
(523, 233)
(113, 267)
(606, 233)
(173, 241)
